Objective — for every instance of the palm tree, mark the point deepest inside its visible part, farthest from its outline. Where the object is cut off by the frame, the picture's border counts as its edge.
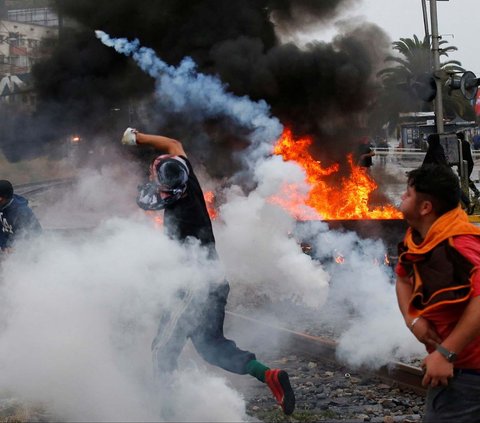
(418, 58)
(413, 69)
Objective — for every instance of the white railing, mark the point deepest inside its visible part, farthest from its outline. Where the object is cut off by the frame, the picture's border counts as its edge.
(411, 158)
(402, 157)
(412, 152)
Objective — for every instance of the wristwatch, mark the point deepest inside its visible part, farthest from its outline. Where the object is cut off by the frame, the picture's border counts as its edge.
(449, 355)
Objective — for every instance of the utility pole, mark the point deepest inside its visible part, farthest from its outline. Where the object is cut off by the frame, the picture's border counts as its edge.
(436, 67)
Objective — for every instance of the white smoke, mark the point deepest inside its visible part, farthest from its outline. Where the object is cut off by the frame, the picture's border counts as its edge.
(95, 192)
(79, 319)
(214, 402)
(362, 294)
(255, 241)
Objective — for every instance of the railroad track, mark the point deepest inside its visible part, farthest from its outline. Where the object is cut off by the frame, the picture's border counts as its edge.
(36, 187)
(324, 349)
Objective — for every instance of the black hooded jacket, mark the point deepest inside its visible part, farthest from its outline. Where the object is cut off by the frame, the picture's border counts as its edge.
(188, 217)
(435, 153)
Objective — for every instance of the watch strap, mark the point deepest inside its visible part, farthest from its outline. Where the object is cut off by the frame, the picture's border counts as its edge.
(449, 355)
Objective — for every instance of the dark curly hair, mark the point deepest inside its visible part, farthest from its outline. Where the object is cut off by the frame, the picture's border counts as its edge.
(437, 183)
(6, 189)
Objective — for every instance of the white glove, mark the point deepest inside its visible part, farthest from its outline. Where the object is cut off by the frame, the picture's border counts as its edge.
(130, 137)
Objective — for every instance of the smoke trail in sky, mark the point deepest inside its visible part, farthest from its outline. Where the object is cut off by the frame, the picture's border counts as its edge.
(188, 91)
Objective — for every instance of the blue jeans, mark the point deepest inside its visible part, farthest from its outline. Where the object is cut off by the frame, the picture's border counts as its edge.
(202, 322)
(459, 402)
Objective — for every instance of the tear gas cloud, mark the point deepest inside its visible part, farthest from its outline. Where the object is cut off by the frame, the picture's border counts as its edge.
(83, 203)
(276, 267)
(80, 318)
(362, 290)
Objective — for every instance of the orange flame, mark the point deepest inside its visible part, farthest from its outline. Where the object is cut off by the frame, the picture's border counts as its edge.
(209, 197)
(386, 260)
(347, 201)
(157, 218)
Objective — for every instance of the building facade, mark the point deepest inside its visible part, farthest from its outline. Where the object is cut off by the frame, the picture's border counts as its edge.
(26, 35)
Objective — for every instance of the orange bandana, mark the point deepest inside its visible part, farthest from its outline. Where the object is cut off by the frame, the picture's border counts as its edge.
(455, 222)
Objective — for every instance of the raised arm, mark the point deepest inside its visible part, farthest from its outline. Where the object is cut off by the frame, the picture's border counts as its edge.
(159, 142)
(169, 145)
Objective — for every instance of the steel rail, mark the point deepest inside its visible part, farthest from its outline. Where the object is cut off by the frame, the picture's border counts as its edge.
(34, 187)
(324, 349)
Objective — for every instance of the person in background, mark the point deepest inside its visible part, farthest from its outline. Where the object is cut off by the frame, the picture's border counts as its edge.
(175, 188)
(382, 144)
(438, 292)
(467, 156)
(476, 142)
(435, 154)
(17, 219)
(365, 153)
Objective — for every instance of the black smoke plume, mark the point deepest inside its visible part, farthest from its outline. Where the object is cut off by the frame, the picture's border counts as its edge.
(321, 90)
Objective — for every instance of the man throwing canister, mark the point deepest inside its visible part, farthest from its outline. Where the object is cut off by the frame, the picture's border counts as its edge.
(174, 188)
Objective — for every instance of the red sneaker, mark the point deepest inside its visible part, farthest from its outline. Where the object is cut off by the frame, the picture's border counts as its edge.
(279, 383)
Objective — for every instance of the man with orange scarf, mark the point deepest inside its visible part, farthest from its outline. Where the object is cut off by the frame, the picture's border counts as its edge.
(438, 292)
